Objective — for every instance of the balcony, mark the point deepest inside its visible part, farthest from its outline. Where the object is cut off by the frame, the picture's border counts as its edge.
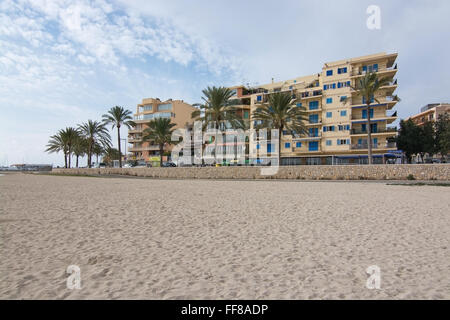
(309, 137)
(311, 94)
(389, 117)
(385, 72)
(378, 146)
(392, 131)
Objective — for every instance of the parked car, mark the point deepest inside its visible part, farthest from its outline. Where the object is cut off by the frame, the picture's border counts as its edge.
(127, 165)
(102, 165)
(168, 164)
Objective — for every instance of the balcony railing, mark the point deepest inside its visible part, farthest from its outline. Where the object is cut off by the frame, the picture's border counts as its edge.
(364, 146)
(360, 72)
(360, 131)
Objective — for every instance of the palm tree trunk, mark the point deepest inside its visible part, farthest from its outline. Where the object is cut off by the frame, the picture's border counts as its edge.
(65, 160)
(118, 143)
(215, 142)
(90, 154)
(70, 158)
(279, 146)
(77, 161)
(161, 150)
(369, 135)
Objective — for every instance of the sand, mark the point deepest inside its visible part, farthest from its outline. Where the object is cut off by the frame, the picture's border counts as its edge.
(191, 239)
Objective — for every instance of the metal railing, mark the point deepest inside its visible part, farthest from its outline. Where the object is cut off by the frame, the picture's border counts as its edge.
(360, 131)
(364, 146)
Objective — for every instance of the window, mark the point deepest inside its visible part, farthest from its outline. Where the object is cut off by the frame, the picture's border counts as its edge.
(313, 146)
(258, 98)
(370, 68)
(313, 132)
(148, 107)
(329, 114)
(372, 99)
(299, 104)
(287, 145)
(246, 114)
(343, 113)
(342, 70)
(314, 105)
(269, 148)
(364, 114)
(329, 73)
(329, 142)
(329, 100)
(343, 98)
(285, 132)
(328, 128)
(164, 107)
(314, 118)
(298, 145)
(258, 146)
(343, 141)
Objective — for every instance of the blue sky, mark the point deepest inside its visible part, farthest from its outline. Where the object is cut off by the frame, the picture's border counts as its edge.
(63, 62)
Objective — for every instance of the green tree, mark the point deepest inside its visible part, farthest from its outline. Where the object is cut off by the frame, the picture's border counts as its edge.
(217, 112)
(160, 132)
(94, 132)
(80, 148)
(408, 139)
(367, 88)
(64, 141)
(98, 150)
(118, 117)
(442, 126)
(111, 154)
(427, 140)
(281, 112)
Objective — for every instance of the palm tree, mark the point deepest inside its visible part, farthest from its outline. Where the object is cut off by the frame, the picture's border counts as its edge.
(217, 112)
(118, 116)
(98, 150)
(367, 88)
(56, 144)
(64, 141)
(94, 132)
(281, 112)
(80, 148)
(160, 131)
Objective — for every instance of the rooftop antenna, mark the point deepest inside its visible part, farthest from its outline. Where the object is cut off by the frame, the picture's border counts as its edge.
(272, 80)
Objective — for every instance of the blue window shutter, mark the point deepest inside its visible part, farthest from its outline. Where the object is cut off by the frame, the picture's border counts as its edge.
(338, 142)
(287, 145)
(348, 141)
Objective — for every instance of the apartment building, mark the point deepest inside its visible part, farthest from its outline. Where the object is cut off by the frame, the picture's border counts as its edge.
(430, 113)
(337, 129)
(178, 111)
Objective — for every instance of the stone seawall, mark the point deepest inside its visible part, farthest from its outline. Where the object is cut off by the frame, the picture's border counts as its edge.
(347, 172)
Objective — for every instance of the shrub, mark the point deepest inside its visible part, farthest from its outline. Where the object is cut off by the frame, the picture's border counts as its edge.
(410, 177)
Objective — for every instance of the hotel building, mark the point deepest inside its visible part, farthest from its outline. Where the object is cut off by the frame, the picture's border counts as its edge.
(336, 115)
(177, 111)
(430, 113)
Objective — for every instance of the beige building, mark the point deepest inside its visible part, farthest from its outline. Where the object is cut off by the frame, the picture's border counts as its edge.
(430, 113)
(178, 111)
(337, 130)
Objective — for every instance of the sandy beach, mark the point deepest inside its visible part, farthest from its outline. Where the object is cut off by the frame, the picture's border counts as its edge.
(199, 239)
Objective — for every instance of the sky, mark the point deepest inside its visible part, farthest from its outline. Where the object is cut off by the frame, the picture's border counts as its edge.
(64, 62)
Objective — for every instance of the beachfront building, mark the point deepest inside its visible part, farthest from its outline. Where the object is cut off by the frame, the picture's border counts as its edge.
(430, 113)
(178, 111)
(230, 146)
(337, 130)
